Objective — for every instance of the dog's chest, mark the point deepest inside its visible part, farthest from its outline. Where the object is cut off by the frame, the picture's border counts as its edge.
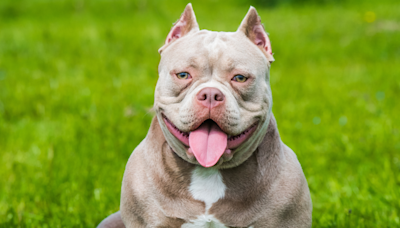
(206, 185)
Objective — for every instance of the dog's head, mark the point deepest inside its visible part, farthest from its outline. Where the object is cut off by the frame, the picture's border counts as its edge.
(213, 98)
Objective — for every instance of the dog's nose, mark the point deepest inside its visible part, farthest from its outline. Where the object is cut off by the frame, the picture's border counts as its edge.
(210, 97)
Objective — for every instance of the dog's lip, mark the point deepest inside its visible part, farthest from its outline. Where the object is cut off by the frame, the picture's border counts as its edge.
(233, 141)
(237, 140)
(180, 135)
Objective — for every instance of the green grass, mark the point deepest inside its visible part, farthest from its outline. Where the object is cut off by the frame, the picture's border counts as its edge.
(76, 88)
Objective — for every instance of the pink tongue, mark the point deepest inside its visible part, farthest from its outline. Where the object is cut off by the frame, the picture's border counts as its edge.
(208, 143)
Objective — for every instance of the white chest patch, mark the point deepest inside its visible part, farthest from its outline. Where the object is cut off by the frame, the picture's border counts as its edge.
(207, 186)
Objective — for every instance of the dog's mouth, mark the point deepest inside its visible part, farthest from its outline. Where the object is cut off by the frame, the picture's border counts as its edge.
(208, 143)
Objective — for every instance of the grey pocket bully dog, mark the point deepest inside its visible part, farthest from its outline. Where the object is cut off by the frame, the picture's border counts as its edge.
(213, 156)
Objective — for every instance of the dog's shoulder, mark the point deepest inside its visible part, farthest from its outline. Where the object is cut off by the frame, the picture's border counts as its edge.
(290, 195)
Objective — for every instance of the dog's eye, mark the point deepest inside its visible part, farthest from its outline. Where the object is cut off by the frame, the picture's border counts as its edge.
(183, 75)
(239, 78)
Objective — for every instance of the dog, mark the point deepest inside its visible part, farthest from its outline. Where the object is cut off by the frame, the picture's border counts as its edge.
(213, 156)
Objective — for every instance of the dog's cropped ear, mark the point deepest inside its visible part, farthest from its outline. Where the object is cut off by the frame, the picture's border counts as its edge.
(186, 23)
(251, 26)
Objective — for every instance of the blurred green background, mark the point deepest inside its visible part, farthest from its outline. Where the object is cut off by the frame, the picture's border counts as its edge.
(76, 88)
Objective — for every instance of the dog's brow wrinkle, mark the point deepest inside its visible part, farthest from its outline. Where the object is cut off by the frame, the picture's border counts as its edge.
(193, 62)
(230, 65)
(230, 69)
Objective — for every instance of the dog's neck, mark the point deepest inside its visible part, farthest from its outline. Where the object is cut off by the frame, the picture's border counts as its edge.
(172, 175)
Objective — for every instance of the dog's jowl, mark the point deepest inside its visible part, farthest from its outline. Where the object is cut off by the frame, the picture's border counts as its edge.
(213, 156)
